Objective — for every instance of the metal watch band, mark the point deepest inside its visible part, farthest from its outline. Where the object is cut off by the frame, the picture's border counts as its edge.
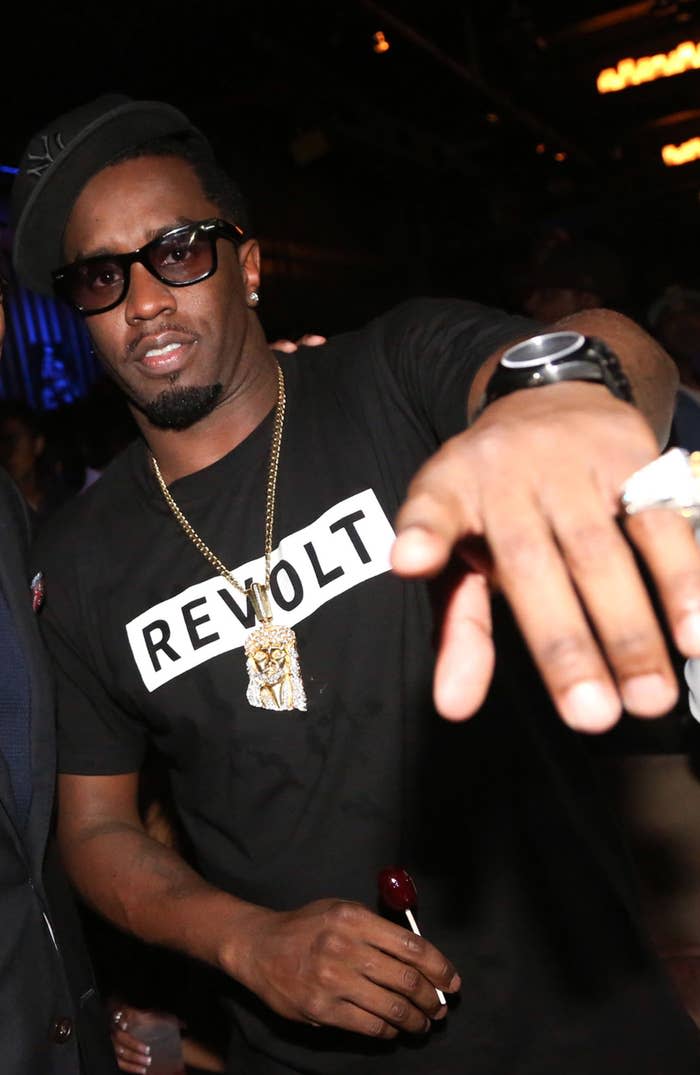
(592, 361)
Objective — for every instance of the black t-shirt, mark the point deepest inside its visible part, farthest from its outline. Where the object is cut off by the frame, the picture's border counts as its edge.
(521, 881)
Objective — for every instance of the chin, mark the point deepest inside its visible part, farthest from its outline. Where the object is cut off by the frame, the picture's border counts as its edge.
(180, 407)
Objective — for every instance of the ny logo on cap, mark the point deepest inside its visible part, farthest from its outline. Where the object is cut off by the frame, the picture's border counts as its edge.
(48, 154)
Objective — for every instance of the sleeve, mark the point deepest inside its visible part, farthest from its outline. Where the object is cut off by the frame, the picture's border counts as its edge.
(435, 347)
(96, 736)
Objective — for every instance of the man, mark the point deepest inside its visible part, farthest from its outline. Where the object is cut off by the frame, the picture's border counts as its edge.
(23, 454)
(674, 318)
(255, 515)
(49, 1013)
(569, 275)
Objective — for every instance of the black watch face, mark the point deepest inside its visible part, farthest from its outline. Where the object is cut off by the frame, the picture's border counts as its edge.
(539, 350)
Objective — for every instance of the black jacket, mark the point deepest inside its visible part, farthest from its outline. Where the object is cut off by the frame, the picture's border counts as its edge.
(51, 1021)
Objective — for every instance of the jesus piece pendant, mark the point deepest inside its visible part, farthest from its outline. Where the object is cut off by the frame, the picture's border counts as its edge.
(272, 661)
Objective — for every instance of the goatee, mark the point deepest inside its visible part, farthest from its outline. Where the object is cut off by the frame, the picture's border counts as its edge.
(180, 408)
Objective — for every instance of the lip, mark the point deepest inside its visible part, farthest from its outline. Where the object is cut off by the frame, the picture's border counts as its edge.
(157, 365)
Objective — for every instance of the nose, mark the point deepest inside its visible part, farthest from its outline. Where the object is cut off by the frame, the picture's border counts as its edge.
(147, 296)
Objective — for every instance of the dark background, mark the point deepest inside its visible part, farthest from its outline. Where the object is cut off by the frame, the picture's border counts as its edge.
(429, 168)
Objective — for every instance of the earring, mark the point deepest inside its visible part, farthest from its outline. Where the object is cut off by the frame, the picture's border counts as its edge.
(253, 298)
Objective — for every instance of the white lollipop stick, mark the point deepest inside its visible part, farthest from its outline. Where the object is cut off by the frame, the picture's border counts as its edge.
(414, 926)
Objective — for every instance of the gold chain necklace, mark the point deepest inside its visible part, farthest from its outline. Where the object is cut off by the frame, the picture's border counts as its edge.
(272, 660)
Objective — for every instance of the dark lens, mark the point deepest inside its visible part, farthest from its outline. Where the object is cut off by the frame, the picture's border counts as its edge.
(182, 258)
(95, 284)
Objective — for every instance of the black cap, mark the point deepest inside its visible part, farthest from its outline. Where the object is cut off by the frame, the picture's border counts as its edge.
(59, 161)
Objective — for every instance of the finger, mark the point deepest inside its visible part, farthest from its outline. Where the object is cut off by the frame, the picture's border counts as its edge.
(395, 977)
(465, 661)
(538, 587)
(349, 1016)
(669, 548)
(311, 339)
(125, 1040)
(287, 346)
(440, 509)
(126, 1061)
(393, 1008)
(411, 950)
(615, 598)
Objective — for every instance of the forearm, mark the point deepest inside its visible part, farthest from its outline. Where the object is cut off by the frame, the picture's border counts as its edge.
(147, 889)
(652, 373)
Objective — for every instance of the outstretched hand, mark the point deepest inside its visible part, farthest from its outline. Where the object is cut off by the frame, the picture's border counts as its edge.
(536, 482)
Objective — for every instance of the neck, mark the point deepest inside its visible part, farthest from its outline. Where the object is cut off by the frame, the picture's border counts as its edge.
(185, 451)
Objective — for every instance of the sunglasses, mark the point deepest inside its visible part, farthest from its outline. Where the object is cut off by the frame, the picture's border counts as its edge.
(180, 257)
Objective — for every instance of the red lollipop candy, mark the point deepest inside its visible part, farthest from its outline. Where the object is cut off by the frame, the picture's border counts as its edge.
(398, 890)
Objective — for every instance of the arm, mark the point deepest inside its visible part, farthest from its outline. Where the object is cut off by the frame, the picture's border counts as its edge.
(651, 371)
(332, 962)
(529, 497)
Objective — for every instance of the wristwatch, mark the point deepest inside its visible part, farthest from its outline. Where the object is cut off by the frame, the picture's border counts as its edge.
(554, 357)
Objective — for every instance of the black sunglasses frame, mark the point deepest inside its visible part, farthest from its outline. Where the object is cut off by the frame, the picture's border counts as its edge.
(211, 229)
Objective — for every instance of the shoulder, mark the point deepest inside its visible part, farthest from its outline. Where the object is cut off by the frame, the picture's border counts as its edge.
(425, 323)
(422, 321)
(426, 310)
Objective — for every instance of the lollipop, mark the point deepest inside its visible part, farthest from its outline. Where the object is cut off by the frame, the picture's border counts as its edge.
(398, 890)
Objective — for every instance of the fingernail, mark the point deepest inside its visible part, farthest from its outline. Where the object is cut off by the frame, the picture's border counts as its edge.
(688, 634)
(649, 695)
(590, 706)
(455, 984)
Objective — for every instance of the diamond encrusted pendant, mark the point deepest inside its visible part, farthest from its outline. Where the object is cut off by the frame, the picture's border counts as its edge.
(272, 660)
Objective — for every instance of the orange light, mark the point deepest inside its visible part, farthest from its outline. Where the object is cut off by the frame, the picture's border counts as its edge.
(493, 117)
(685, 57)
(380, 42)
(560, 156)
(540, 148)
(682, 154)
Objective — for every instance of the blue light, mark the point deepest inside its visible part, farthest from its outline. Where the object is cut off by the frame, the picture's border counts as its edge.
(8, 169)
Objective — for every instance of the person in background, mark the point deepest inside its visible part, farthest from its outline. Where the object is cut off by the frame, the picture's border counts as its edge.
(51, 1021)
(567, 274)
(674, 318)
(28, 460)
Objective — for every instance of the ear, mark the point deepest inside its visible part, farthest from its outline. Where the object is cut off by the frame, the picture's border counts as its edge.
(249, 261)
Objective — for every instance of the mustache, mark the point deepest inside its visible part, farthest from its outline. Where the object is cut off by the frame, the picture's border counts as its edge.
(165, 326)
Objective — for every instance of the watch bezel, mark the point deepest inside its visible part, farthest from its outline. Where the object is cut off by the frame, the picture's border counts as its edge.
(574, 357)
(566, 342)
